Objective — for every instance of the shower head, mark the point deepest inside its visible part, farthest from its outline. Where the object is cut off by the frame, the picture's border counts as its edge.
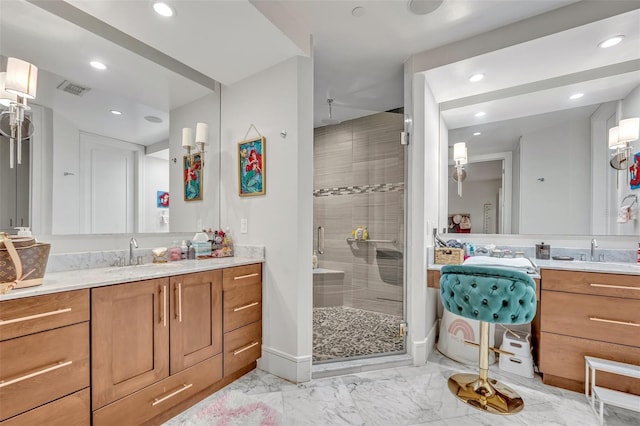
(330, 120)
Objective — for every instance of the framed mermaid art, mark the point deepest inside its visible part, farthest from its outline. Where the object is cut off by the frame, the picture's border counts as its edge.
(251, 167)
(192, 167)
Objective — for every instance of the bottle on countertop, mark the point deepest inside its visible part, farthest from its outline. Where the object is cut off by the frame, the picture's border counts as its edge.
(184, 250)
(314, 259)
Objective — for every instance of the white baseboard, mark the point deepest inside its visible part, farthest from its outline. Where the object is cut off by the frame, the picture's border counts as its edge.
(296, 369)
(421, 349)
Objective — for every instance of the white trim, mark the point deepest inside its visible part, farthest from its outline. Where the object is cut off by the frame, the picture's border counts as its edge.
(290, 367)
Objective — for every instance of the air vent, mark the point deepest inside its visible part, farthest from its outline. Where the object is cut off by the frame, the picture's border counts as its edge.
(73, 88)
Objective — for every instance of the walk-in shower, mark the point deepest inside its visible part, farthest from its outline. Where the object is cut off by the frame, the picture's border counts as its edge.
(358, 288)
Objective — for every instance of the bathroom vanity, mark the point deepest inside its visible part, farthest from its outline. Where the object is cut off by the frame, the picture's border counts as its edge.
(584, 308)
(130, 345)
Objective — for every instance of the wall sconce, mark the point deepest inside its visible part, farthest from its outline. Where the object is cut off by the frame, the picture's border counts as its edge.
(17, 85)
(201, 140)
(460, 158)
(620, 138)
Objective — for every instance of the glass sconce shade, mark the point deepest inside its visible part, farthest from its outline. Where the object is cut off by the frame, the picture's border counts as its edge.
(22, 78)
(460, 153)
(5, 97)
(614, 141)
(628, 130)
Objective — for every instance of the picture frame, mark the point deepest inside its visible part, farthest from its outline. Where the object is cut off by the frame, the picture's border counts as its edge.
(459, 223)
(162, 199)
(192, 177)
(252, 167)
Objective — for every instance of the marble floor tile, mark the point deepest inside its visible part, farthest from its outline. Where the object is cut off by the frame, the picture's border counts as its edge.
(400, 396)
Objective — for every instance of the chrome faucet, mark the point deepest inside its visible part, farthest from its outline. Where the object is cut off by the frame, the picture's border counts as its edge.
(594, 245)
(133, 243)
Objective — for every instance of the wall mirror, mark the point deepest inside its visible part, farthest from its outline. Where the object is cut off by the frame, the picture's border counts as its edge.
(89, 169)
(545, 107)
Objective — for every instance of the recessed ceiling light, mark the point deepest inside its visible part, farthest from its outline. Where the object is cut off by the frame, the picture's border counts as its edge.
(476, 77)
(163, 9)
(612, 41)
(98, 65)
(576, 96)
(423, 7)
(480, 114)
(358, 12)
(116, 112)
(477, 133)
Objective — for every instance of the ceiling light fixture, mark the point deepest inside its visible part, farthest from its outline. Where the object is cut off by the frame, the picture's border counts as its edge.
(98, 65)
(460, 158)
(576, 96)
(163, 9)
(423, 7)
(330, 121)
(477, 133)
(19, 84)
(481, 114)
(476, 77)
(116, 112)
(612, 41)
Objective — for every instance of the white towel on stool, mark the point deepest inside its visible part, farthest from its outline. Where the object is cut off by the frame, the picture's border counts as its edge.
(522, 263)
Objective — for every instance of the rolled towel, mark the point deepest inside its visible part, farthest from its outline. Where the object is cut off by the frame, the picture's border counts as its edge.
(519, 263)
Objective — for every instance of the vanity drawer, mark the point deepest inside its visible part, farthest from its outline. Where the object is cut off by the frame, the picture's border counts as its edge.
(615, 285)
(242, 347)
(249, 274)
(242, 303)
(19, 317)
(72, 410)
(609, 319)
(153, 400)
(39, 368)
(563, 357)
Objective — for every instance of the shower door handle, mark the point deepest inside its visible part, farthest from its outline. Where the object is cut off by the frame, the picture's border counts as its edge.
(320, 239)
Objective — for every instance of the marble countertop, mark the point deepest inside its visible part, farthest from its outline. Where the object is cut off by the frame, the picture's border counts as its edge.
(55, 282)
(576, 265)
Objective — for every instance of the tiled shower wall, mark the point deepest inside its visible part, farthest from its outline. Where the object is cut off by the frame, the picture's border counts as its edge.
(359, 181)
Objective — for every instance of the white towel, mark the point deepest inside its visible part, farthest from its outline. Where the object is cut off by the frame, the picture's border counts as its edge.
(624, 214)
(520, 263)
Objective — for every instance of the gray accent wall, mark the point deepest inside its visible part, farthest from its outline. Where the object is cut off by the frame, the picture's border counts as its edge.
(359, 181)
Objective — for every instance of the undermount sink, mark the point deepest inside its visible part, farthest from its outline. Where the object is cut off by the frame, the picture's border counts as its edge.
(144, 267)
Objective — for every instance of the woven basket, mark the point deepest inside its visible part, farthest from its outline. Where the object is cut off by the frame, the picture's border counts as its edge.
(449, 256)
(22, 262)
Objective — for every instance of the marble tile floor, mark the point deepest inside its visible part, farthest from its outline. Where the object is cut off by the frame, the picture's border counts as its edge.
(396, 396)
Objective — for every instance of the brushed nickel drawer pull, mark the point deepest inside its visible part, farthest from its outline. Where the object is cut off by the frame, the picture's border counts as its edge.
(249, 346)
(250, 305)
(163, 311)
(633, 324)
(623, 287)
(55, 366)
(242, 277)
(30, 317)
(184, 387)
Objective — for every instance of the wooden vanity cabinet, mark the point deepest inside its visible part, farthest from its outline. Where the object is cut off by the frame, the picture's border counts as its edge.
(44, 360)
(156, 343)
(242, 294)
(585, 313)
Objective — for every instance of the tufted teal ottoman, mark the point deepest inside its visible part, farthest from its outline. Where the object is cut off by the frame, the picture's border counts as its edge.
(489, 295)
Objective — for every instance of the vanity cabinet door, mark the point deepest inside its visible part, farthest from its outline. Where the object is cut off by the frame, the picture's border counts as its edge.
(196, 318)
(130, 337)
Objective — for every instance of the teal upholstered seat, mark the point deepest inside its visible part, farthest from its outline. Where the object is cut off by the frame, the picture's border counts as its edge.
(489, 294)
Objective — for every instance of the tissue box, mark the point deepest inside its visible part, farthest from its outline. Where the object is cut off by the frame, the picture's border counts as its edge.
(449, 256)
(202, 248)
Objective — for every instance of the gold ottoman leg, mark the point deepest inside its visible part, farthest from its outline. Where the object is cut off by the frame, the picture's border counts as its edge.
(481, 392)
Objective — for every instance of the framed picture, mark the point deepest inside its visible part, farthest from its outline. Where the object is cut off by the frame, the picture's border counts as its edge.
(163, 199)
(192, 177)
(459, 223)
(251, 167)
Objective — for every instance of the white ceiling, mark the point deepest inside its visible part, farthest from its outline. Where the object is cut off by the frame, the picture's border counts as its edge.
(358, 61)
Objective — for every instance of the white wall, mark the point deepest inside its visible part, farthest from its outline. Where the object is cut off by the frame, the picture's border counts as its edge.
(189, 216)
(560, 204)
(66, 189)
(156, 178)
(475, 194)
(277, 99)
